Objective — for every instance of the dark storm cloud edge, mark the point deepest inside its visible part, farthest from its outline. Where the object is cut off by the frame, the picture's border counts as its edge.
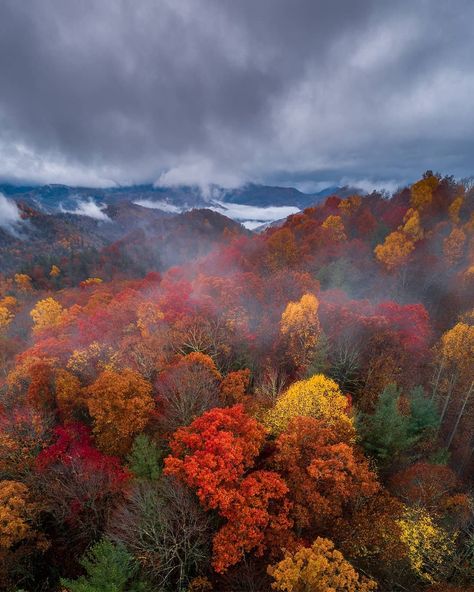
(109, 92)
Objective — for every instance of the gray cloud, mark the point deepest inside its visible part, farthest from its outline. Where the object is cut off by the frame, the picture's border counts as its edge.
(9, 214)
(99, 92)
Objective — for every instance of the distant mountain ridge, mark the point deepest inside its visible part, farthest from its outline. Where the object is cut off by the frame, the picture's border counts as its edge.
(55, 198)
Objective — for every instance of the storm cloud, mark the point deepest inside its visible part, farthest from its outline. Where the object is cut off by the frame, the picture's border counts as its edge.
(104, 92)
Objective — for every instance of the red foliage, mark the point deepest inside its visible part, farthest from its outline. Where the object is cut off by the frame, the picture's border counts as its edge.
(213, 455)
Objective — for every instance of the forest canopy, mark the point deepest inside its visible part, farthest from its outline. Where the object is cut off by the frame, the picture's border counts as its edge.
(291, 410)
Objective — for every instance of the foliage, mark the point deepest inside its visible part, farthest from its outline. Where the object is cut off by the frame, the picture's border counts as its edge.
(318, 568)
(318, 397)
(120, 404)
(109, 568)
(46, 314)
(213, 455)
(145, 458)
(389, 432)
(322, 469)
(300, 326)
(165, 528)
(429, 546)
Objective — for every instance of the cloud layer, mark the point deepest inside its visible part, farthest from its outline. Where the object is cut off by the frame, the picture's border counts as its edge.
(101, 92)
(90, 209)
(9, 214)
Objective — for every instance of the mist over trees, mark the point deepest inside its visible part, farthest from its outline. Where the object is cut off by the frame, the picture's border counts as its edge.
(193, 407)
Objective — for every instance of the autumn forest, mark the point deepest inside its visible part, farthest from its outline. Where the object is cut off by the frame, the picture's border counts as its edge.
(289, 411)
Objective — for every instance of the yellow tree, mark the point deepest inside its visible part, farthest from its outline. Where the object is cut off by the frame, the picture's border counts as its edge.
(6, 318)
(282, 250)
(429, 546)
(47, 313)
(319, 568)
(55, 271)
(120, 404)
(300, 327)
(350, 205)
(455, 208)
(412, 225)
(421, 193)
(23, 282)
(18, 513)
(394, 252)
(453, 245)
(454, 380)
(335, 228)
(69, 394)
(318, 397)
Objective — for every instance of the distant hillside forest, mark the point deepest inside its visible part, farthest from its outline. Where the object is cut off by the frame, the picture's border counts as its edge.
(186, 406)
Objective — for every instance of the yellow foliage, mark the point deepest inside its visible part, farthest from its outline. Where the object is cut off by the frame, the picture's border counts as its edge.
(9, 302)
(96, 357)
(55, 271)
(300, 325)
(351, 204)
(6, 318)
(17, 512)
(319, 568)
(422, 192)
(454, 209)
(457, 348)
(395, 250)
(335, 226)
(148, 318)
(95, 281)
(453, 245)
(429, 546)
(69, 395)
(318, 397)
(412, 227)
(23, 282)
(46, 314)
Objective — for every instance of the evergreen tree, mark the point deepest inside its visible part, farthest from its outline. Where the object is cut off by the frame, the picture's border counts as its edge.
(145, 458)
(109, 568)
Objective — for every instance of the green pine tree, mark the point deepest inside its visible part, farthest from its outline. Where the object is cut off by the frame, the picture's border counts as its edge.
(145, 458)
(384, 435)
(109, 568)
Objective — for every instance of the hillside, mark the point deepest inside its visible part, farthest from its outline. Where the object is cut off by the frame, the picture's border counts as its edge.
(192, 406)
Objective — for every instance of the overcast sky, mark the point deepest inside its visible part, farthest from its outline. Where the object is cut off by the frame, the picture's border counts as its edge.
(304, 92)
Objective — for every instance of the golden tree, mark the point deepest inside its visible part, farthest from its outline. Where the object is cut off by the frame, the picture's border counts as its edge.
(318, 397)
(47, 313)
(394, 252)
(429, 545)
(453, 245)
(421, 193)
(454, 380)
(335, 227)
(17, 513)
(120, 404)
(319, 568)
(300, 327)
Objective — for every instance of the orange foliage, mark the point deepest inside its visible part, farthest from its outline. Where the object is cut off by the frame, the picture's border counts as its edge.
(120, 404)
(234, 386)
(323, 470)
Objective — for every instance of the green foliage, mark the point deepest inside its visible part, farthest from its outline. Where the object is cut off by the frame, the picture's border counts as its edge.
(440, 456)
(388, 433)
(384, 434)
(334, 274)
(145, 458)
(319, 363)
(109, 568)
(424, 418)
